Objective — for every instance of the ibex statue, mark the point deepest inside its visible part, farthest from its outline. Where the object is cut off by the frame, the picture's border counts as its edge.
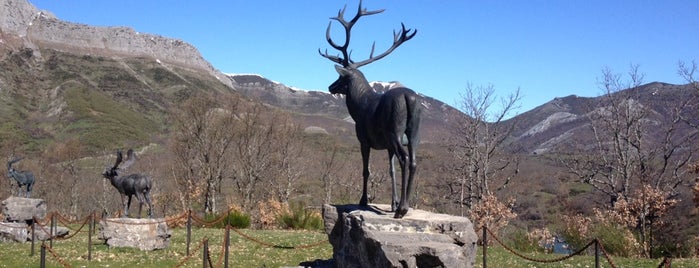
(133, 184)
(385, 121)
(22, 177)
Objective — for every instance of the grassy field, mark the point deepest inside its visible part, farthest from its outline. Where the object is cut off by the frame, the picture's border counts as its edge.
(246, 253)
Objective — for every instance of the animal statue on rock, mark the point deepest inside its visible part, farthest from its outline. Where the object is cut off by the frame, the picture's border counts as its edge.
(383, 121)
(21, 177)
(129, 185)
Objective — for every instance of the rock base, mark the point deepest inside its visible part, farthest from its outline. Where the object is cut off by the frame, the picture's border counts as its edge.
(369, 236)
(13, 232)
(144, 234)
(20, 209)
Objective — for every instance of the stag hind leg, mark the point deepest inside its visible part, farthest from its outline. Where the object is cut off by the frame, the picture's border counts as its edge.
(392, 173)
(146, 195)
(402, 156)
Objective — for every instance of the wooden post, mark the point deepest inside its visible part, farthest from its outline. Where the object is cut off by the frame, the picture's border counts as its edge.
(485, 246)
(189, 229)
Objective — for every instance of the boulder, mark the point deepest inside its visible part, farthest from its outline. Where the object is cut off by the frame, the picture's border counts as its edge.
(13, 232)
(369, 236)
(144, 234)
(43, 234)
(20, 209)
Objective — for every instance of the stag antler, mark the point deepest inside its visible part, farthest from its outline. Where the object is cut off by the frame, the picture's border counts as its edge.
(398, 39)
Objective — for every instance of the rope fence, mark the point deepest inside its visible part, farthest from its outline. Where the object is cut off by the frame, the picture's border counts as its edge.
(48, 226)
(598, 249)
(40, 225)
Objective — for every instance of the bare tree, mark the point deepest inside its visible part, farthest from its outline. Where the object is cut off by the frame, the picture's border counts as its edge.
(478, 142)
(289, 159)
(254, 151)
(624, 153)
(65, 156)
(202, 145)
(632, 149)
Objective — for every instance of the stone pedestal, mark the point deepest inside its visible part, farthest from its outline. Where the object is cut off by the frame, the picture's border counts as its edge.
(20, 209)
(371, 237)
(144, 234)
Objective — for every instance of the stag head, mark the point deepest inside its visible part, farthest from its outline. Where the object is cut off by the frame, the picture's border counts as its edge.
(348, 67)
(112, 172)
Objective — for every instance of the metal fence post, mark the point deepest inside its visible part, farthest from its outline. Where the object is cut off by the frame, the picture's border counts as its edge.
(89, 236)
(189, 229)
(42, 263)
(485, 246)
(51, 230)
(597, 246)
(205, 253)
(228, 243)
(33, 235)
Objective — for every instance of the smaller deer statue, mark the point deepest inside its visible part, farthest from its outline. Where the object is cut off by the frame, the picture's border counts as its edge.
(129, 185)
(22, 177)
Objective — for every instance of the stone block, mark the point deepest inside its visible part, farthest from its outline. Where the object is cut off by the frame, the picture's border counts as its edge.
(13, 232)
(144, 234)
(371, 237)
(20, 209)
(45, 232)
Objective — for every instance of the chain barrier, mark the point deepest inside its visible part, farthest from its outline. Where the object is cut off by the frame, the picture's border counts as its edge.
(315, 244)
(606, 255)
(538, 260)
(223, 249)
(186, 258)
(205, 223)
(55, 255)
(667, 262)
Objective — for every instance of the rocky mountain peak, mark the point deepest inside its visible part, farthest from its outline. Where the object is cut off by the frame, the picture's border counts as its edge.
(23, 22)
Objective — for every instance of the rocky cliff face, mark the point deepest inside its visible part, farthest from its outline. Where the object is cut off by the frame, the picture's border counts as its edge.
(23, 25)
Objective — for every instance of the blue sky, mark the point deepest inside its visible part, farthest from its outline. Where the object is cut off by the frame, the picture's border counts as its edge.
(547, 49)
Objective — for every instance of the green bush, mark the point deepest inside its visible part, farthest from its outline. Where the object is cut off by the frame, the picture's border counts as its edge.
(517, 239)
(616, 241)
(236, 219)
(300, 218)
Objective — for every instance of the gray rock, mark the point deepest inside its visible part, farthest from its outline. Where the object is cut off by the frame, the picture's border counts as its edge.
(20, 209)
(13, 232)
(144, 234)
(44, 233)
(371, 237)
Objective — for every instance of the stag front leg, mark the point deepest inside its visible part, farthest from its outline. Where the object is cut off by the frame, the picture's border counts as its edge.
(392, 173)
(365, 174)
(127, 205)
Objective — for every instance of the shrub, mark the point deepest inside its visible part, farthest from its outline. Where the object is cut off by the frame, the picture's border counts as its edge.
(300, 218)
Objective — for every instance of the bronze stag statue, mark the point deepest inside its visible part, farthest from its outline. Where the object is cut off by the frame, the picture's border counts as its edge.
(383, 121)
(129, 185)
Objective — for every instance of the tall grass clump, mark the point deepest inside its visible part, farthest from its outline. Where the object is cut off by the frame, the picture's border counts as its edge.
(298, 217)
